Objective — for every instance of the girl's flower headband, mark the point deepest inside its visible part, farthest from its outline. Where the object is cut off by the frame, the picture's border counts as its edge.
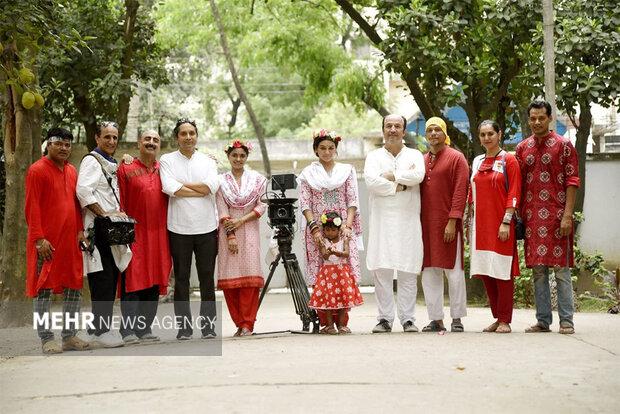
(337, 221)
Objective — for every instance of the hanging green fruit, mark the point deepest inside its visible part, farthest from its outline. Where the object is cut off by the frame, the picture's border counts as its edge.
(25, 76)
(40, 101)
(28, 100)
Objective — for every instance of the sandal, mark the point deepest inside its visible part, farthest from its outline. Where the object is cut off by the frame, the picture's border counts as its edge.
(238, 333)
(344, 330)
(538, 328)
(52, 347)
(566, 329)
(503, 328)
(491, 328)
(433, 326)
(456, 326)
(331, 330)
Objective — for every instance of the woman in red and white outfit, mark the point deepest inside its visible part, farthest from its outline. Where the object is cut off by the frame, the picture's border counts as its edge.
(239, 207)
(493, 198)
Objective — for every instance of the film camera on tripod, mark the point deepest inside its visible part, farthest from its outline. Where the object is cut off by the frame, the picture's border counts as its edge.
(281, 215)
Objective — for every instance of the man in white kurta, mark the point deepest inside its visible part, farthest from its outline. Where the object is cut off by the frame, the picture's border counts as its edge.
(393, 174)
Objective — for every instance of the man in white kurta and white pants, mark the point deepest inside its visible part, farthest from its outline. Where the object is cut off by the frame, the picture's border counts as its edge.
(393, 174)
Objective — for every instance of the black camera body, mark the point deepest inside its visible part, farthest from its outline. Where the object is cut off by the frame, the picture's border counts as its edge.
(281, 211)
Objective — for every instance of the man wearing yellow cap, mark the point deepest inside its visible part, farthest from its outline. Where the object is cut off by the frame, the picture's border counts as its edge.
(444, 194)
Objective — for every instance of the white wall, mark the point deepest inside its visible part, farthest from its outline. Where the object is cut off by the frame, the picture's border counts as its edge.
(600, 230)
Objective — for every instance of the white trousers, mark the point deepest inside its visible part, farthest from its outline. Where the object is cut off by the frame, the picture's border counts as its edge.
(406, 296)
(432, 284)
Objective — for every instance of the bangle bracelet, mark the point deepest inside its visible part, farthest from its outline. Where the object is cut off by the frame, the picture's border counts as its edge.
(231, 236)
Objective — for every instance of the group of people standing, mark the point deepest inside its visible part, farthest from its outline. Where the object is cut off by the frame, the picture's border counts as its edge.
(184, 208)
(420, 209)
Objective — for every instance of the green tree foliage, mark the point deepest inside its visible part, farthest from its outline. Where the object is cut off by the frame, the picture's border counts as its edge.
(587, 66)
(26, 29)
(290, 56)
(456, 52)
(86, 86)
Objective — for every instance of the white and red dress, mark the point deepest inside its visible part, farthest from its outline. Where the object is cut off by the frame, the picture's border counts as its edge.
(495, 186)
(335, 286)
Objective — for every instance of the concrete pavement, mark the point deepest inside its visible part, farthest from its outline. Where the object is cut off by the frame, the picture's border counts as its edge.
(363, 372)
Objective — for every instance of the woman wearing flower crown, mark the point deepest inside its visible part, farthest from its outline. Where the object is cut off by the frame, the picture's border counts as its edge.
(239, 207)
(327, 185)
(335, 290)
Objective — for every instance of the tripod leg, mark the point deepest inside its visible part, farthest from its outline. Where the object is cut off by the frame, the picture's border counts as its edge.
(272, 269)
(299, 291)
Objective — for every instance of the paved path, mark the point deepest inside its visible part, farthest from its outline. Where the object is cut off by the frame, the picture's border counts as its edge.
(465, 373)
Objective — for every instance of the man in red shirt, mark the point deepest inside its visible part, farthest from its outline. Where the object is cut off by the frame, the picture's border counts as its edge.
(550, 171)
(147, 275)
(54, 260)
(444, 194)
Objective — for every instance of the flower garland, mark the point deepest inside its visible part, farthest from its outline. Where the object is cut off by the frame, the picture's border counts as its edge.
(323, 133)
(237, 143)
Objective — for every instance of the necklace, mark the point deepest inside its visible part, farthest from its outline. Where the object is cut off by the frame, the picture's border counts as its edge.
(500, 150)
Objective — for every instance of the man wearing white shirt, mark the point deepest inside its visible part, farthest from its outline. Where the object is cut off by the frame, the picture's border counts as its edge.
(97, 192)
(190, 178)
(393, 174)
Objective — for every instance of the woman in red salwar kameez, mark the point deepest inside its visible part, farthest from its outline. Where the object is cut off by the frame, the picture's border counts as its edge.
(493, 197)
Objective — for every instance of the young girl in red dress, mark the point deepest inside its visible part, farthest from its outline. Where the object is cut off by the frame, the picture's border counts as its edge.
(335, 287)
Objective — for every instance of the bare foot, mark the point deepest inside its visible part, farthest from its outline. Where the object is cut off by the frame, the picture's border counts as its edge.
(492, 327)
(503, 328)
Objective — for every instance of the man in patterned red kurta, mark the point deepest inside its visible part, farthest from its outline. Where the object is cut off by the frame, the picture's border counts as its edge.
(549, 167)
(146, 276)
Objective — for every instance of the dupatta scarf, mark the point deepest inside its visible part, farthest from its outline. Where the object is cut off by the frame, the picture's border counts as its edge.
(252, 187)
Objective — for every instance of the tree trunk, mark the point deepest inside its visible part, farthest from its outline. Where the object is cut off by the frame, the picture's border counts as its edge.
(258, 129)
(87, 115)
(474, 148)
(581, 145)
(234, 111)
(131, 12)
(523, 122)
(548, 27)
(21, 138)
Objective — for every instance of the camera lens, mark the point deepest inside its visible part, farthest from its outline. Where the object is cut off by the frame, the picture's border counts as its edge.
(281, 213)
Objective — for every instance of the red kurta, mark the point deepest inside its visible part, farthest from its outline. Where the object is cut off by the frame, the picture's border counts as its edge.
(548, 166)
(444, 194)
(489, 255)
(142, 199)
(53, 213)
